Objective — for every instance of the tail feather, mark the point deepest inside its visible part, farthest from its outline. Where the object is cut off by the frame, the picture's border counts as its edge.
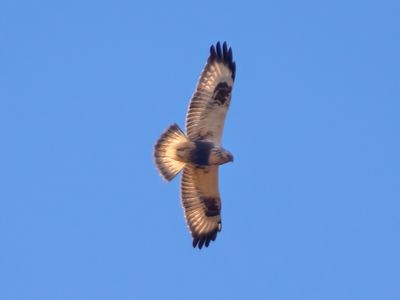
(165, 152)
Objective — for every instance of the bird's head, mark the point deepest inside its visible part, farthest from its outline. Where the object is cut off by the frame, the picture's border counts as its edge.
(219, 156)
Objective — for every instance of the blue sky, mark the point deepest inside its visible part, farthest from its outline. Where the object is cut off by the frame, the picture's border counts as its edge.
(310, 205)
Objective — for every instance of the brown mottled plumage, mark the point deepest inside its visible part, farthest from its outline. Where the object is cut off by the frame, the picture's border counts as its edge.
(199, 153)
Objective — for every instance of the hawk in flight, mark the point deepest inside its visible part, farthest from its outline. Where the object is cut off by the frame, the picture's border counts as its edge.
(198, 152)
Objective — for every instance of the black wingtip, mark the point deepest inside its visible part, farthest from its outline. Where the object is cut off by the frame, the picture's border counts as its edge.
(213, 54)
(204, 240)
(199, 241)
(225, 50)
(223, 54)
(195, 241)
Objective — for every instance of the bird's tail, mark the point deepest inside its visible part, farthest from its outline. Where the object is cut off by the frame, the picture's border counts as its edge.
(165, 156)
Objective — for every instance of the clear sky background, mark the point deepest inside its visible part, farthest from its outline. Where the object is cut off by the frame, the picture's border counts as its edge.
(311, 205)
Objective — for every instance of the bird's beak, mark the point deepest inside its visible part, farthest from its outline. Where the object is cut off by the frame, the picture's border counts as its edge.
(230, 157)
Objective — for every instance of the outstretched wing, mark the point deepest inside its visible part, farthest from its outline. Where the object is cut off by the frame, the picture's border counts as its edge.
(201, 203)
(210, 102)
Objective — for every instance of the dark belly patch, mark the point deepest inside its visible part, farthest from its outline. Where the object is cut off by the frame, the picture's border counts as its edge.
(201, 153)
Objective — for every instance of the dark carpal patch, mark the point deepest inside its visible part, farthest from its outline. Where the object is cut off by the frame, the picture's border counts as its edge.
(212, 207)
(201, 153)
(222, 93)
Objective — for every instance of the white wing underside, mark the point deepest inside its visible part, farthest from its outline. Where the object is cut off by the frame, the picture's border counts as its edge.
(201, 202)
(205, 118)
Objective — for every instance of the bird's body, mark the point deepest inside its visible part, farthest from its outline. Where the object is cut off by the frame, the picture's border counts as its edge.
(199, 153)
(202, 153)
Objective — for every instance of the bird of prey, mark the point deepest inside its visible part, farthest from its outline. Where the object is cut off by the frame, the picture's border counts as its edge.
(198, 152)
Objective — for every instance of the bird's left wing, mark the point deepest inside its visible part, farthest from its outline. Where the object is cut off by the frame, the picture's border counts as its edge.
(210, 102)
(201, 203)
